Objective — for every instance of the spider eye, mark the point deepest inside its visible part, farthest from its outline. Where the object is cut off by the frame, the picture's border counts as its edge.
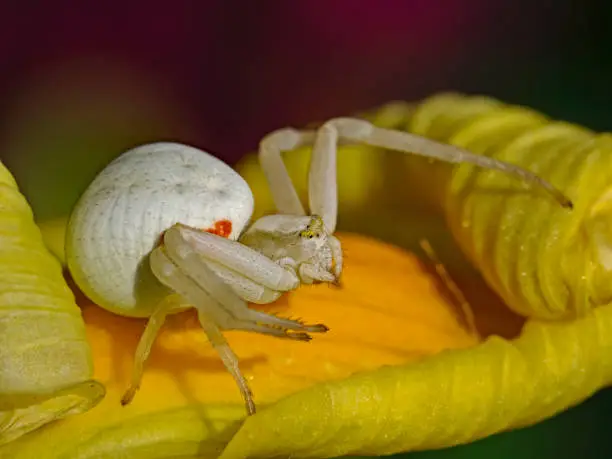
(310, 233)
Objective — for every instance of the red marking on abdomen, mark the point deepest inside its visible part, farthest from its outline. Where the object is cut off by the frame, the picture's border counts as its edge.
(221, 228)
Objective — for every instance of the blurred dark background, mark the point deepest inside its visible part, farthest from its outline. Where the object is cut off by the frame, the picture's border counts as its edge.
(80, 83)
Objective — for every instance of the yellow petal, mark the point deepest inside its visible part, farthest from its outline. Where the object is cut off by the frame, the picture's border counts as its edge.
(54, 234)
(45, 361)
(455, 397)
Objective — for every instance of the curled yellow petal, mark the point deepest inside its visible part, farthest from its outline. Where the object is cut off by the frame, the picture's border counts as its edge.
(45, 361)
(544, 260)
(456, 397)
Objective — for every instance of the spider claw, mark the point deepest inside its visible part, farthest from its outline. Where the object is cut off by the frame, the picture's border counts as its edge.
(128, 396)
(336, 281)
(298, 336)
(298, 324)
(316, 328)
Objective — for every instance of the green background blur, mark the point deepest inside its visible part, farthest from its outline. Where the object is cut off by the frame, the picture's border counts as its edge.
(81, 84)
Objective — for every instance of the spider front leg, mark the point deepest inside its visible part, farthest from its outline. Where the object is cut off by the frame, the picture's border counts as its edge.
(322, 180)
(336, 249)
(322, 189)
(196, 265)
(363, 132)
(271, 146)
(205, 259)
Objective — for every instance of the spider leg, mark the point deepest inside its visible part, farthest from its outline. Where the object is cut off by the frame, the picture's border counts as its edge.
(271, 147)
(322, 186)
(244, 287)
(322, 177)
(232, 256)
(361, 131)
(337, 255)
(218, 306)
(195, 280)
(229, 359)
(143, 350)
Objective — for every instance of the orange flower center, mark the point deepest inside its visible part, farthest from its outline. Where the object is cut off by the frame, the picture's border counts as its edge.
(391, 309)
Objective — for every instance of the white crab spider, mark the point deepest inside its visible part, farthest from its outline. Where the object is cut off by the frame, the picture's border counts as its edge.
(177, 194)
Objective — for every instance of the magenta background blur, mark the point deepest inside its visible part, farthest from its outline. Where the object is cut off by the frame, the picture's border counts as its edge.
(80, 83)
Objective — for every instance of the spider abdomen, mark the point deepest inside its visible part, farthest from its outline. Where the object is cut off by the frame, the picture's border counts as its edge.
(123, 213)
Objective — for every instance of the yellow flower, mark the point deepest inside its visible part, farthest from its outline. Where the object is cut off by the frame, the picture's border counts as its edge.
(401, 369)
